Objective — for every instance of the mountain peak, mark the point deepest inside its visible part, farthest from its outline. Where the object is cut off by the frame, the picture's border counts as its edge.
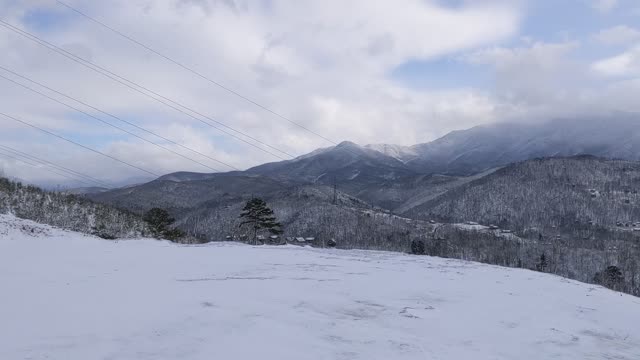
(347, 143)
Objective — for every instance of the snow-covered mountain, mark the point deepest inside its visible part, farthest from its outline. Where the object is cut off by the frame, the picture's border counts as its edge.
(345, 162)
(367, 168)
(484, 147)
(513, 197)
(75, 297)
(474, 150)
(467, 152)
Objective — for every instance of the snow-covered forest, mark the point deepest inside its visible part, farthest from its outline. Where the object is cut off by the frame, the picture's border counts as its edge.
(579, 214)
(68, 211)
(574, 217)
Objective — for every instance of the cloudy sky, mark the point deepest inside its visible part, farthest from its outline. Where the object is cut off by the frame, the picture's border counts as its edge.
(369, 71)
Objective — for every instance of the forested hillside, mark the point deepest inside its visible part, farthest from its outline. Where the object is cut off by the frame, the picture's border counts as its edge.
(309, 211)
(209, 210)
(582, 213)
(568, 194)
(68, 211)
(180, 196)
(568, 216)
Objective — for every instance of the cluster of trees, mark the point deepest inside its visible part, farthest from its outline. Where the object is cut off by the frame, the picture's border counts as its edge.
(556, 195)
(614, 264)
(611, 263)
(79, 214)
(160, 223)
(309, 212)
(68, 211)
(575, 216)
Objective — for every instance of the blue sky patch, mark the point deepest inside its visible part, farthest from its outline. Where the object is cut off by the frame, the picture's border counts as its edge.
(443, 73)
(45, 19)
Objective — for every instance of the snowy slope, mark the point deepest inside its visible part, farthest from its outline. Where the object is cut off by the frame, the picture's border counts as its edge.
(402, 153)
(68, 296)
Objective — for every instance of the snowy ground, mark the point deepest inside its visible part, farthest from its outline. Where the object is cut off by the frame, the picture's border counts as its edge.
(69, 297)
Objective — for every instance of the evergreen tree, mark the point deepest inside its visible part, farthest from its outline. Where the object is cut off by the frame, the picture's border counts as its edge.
(159, 222)
(542, 264)
(417, 247)
(611, 277)
(259, 216)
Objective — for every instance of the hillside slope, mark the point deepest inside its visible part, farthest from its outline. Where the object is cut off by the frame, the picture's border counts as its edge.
(399, 178)
(187, 194)
(546, 193)
(68, 211)
(68, 296)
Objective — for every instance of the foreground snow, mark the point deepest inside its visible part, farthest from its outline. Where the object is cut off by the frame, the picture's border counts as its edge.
(67, 296)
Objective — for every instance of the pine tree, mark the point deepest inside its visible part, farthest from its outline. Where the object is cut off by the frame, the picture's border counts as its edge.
(160, 221)
(611, 277)
(259, 216)
(543, 264)
(417, 247)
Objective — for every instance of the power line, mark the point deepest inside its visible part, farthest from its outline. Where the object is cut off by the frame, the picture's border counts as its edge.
(3, 153)
(116, 117)
(108, 123)
(78, 144)
(136, 87)
(36, 166)
(50, 164)
(191, 70)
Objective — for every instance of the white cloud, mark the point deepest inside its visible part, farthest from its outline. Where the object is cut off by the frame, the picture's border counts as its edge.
(604, 6)
(532, 75)
(618, 35)
(546, 80)
(625, 64)
(323, 64)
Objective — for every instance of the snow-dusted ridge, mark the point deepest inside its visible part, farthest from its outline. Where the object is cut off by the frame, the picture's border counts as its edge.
(399, 152)
(74, 297)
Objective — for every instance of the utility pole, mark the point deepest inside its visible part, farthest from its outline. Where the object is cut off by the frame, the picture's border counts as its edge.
(335, 191)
